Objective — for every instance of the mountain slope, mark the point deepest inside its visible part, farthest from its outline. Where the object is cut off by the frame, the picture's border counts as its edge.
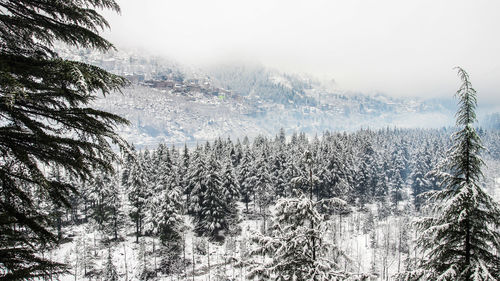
(175, 104)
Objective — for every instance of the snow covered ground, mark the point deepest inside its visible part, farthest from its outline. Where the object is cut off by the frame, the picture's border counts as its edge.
(349, 232)
(375, 243)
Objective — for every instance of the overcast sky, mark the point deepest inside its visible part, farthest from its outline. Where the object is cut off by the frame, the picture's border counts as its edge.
(397, 47)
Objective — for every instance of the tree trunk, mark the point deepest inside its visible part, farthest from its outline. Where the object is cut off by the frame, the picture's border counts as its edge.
(76, 264)
(125, 260)
(115, 223)
(59, 227)
(154, 253)
(84, 258)
(95, 245)
(184, 252)
(208, 257)
(137, 230)
(467, 249)
(192, 252)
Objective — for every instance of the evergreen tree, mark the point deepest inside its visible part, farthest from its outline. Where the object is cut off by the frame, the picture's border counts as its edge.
(196, 176)
(295, 250)
(306, 180)
(419, 170)
(282, 136)
(184, 174)
(396, 186)
(277, 168)
(238, 154)
(383, 181)
(167, 217)
(143, 269)
(87, 258)
(263, 185)
(461, 240)
(398, 175)
(98, 196)
(333, 176)
(247, 177)
(230, 190)
(159, 185)
(116, 219)
(213, 209)
(110, 273)
(46, 120)
(137, 197)
(128, 161)
(365, 186)
(56, 210)
(170, 220)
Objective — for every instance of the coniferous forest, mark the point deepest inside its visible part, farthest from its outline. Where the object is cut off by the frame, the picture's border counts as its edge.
(336, 207)
(78, 202)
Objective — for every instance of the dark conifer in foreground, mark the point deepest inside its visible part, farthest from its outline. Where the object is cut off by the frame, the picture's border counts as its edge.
(45, 118)
(460, 240)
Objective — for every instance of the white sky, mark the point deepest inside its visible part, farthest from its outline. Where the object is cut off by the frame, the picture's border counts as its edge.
(398, 47)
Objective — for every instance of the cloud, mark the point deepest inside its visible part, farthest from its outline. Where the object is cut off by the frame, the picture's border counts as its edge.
(403, 48)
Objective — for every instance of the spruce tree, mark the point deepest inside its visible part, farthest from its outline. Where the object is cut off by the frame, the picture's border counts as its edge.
(365, 186)
(137, 197)
(277, 168)
(196, 183)
(158, 185)
(45, 119)
(170, 219)
(333, 176)
(263, 186)
(143, 269)
(230, 190)
(56, 210)
(247, 177)
(116, 218)
(212, 208)
(169, 210)
(460, 239)
(419, 181)
(296, 246)
(99, 195)
(184, 174)
(110, 273)
(398, 175)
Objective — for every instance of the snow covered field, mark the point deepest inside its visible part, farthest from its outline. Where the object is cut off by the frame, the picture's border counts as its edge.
(375, 251)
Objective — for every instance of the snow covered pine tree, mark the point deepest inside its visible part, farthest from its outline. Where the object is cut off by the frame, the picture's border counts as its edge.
(110, 273)
(460, 240)
(45, 119)
(292, 253)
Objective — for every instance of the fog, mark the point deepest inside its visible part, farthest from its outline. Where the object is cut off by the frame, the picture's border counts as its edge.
(400, 48)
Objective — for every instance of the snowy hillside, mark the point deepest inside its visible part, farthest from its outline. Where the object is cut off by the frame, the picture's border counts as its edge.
(175, 104)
